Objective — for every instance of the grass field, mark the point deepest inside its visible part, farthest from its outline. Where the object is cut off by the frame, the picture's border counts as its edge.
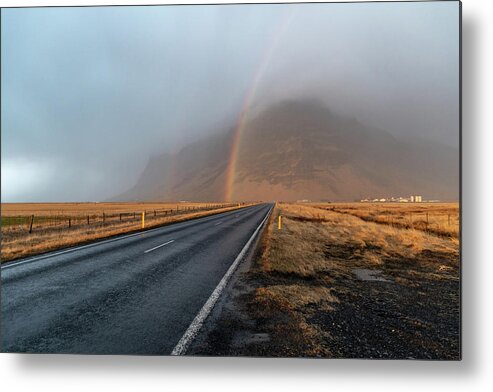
(56, 209)
(438, 218)
(58, 225)
(331, 284)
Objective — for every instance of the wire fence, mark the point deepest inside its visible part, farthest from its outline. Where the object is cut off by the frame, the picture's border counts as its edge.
(32, 223)
(442, 223)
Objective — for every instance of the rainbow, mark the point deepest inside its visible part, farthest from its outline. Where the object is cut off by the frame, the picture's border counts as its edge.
(247, 102)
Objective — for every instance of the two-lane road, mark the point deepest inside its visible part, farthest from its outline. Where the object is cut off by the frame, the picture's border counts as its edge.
(136, 294)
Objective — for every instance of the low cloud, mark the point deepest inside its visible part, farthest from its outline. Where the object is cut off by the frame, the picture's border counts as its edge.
(89, 94)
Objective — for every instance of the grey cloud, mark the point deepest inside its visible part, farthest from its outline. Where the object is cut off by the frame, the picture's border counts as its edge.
(89, 94)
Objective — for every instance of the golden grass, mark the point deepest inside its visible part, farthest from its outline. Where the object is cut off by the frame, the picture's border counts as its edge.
(300, 247)
(437, 218)
(56, 209)
(18, 243)
(303, 267)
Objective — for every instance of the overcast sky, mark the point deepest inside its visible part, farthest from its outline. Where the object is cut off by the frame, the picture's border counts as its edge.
(89, 94)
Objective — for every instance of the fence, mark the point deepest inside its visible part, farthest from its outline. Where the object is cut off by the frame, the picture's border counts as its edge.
(31, 223)
(441, 223)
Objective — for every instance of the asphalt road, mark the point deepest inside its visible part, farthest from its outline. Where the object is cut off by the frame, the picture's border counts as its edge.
(135, 295)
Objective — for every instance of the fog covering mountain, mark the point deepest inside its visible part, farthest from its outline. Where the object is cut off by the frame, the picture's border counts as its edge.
(89, 94)
(297, 150)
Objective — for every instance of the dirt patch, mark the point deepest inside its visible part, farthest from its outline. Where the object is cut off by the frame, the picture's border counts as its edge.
(369, 275)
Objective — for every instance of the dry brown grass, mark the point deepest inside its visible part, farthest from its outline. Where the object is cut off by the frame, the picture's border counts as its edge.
(56, 209)
(301, 246)
(26, 216)
(288, 327)
(18, 243)
(307, 268)
(437, 218)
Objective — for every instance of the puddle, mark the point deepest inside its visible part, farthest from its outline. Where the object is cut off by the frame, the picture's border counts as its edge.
(242, 338)
(369, 275)
(258, 338)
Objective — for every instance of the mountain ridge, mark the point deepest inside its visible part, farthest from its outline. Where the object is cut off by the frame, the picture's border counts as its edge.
(298, 150)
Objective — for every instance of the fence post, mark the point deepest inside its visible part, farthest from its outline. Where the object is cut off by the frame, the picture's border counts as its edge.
(31, 225)
(87, 219)
(104, 217)
(154, 213)
(69, 223)
(143, 219)
(449, 219)
(120, 216)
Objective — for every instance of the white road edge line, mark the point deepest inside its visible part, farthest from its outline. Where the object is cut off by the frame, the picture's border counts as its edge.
(198, 321)
(218, 223)
(159, 246)
(176, 225)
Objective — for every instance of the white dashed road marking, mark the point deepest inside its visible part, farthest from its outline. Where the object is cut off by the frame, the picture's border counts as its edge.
(159, 246)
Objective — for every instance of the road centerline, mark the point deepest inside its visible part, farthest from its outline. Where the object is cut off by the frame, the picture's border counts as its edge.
(159, 246)
(174, 226)
(164, 297)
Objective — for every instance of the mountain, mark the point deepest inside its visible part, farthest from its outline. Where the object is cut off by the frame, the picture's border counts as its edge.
(301, 150)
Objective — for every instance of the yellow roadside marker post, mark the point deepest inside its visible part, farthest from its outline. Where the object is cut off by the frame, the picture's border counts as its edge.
(279, 223)
(143, 219)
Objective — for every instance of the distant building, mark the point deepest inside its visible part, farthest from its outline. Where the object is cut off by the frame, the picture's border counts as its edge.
(393, 199)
